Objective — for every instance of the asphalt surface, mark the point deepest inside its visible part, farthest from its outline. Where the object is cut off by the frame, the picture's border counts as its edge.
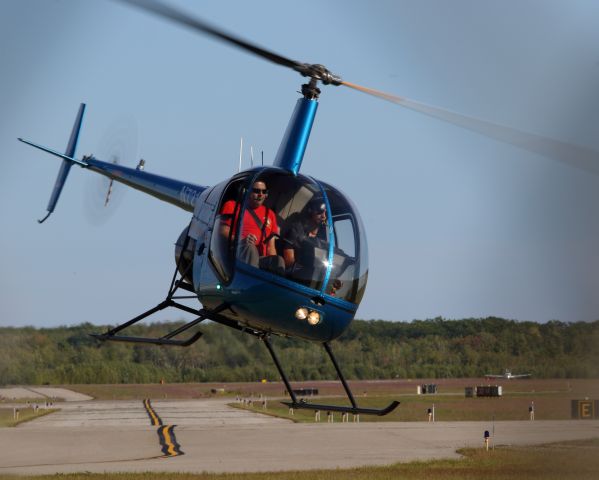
(117, 436)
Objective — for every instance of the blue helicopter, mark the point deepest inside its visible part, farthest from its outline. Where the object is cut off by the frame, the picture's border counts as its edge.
(313, 296)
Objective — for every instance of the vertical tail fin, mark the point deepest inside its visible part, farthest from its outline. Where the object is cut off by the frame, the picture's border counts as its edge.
(65, 167)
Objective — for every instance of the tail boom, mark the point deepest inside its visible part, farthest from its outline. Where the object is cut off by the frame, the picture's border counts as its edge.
(181, 194)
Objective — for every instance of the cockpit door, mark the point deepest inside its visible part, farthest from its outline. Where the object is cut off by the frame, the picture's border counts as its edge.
(226, 220)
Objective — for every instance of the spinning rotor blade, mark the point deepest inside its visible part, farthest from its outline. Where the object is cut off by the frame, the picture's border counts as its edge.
(318, 72)
(577, 156)
(178, 16)
(574, 155)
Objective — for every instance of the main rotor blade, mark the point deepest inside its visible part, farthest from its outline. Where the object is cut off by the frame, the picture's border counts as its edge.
(574, 155)
(178, 16)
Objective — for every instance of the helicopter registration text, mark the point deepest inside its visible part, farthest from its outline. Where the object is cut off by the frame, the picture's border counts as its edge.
(189, 195)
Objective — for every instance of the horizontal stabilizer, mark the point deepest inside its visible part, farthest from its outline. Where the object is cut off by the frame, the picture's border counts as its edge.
(81, 163)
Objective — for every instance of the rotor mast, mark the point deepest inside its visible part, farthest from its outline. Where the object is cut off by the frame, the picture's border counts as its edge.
(295, 140)
(293, 146)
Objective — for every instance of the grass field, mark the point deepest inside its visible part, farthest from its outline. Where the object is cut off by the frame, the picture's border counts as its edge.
(552, 400)
(564, 461)
(25, 414)
(447, 408)
(567, 388)
(551, 397)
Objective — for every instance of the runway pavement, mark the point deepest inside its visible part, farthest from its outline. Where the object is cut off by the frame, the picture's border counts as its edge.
(118, 436)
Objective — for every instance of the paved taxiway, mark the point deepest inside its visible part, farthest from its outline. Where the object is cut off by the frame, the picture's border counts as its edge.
(111, 436)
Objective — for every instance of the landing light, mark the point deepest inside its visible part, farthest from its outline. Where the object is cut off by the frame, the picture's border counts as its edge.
(314, 317)
(301, 313)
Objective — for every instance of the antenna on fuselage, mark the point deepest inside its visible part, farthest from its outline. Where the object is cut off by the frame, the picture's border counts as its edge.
(251, 155)
(240, 154)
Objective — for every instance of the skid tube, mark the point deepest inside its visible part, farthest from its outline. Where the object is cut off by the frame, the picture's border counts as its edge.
(302, 404)
(214, 315)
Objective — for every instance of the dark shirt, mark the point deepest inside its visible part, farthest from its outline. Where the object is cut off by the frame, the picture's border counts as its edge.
(297, 237)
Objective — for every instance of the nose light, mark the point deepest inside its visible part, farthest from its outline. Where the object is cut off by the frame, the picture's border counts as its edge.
(313, 317)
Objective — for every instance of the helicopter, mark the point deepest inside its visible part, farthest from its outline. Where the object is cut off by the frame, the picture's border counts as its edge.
(316, 307)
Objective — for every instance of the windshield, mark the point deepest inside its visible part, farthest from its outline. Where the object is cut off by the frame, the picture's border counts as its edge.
(297, 228)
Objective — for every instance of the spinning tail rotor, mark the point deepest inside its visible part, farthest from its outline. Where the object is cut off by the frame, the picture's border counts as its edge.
(119, 146)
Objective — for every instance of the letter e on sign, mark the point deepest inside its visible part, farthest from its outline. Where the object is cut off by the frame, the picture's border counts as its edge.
(585, 409)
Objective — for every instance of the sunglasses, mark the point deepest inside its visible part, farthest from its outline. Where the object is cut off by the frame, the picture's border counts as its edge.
(260, 190)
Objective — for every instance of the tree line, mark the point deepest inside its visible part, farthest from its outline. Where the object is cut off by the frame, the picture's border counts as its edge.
(373, 349)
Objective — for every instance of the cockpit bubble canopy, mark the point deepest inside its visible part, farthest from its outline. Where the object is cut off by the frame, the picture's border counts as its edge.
(295, 227)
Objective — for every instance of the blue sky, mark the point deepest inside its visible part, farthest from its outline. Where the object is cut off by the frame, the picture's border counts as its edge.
(458, 225)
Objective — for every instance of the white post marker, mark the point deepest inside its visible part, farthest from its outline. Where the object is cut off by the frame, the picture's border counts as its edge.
(493, 432)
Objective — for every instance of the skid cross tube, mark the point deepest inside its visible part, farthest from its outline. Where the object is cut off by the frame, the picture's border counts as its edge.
(166, 339)
(157, 308)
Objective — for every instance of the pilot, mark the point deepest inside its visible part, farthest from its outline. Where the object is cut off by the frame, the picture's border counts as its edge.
(304, 235)
(258, 231)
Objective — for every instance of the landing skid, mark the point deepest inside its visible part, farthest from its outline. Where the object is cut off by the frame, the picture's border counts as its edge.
(338, 408)
(302, 404)
(170, 340)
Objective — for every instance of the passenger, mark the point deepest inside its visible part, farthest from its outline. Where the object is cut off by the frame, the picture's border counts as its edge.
(304, 235)
(258, 231)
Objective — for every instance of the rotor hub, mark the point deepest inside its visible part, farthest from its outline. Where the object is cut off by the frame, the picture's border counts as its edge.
(318, 72)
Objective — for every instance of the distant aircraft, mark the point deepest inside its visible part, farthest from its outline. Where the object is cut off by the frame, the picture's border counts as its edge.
(508, 375)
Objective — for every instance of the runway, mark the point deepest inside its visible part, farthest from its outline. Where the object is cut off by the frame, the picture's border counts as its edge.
(118, 436)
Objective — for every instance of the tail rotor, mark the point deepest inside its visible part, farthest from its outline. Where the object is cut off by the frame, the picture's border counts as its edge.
(119, 146)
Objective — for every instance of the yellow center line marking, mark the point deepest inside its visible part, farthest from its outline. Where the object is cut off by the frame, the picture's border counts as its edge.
(166, 435)
(167, 438)
(150, 410)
